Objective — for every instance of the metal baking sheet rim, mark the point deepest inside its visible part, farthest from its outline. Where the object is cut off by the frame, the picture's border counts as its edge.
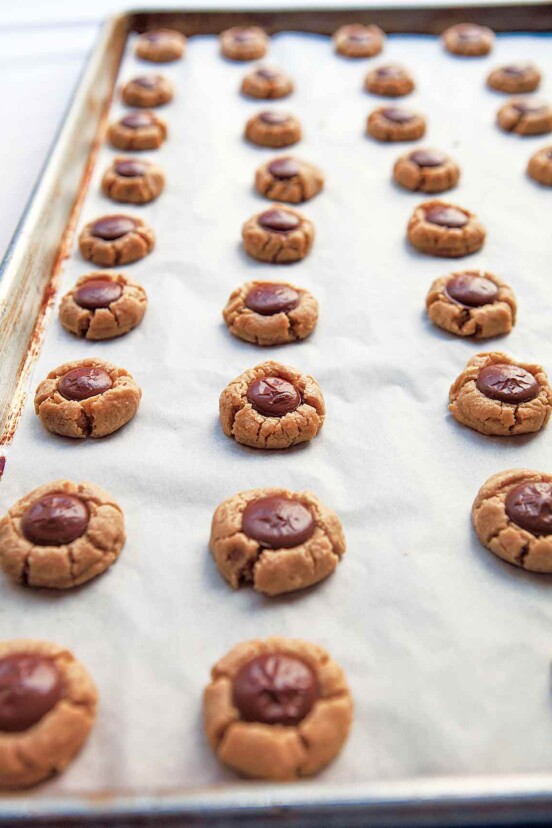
(444, 800)
(504, 800)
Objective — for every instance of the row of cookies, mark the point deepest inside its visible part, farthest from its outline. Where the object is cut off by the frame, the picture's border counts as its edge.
(59, 529)
(64, 534)
(274, 539)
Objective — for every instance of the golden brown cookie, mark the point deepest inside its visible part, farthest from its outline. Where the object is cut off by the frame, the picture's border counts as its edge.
(244, 43)
(289, 179)
(267, 82)
(391, 81)
(61, 535)
(279, 235)
(525, 116)
(276, 540)
(161, 46)
(139, 130)
(540, 166)
(115, 240)
(515, 78)
(512, 515)
(395, 123)
(468, 40)
(103, 306)
(272, 406)
(147, 91)
(495, 394)
(426, 171)
(87, 398)
(47, 709)
(472, 303)
(441, 229)
(357, 41)
(133, 181)
(273, 128)
(270, 313)
(277, 708)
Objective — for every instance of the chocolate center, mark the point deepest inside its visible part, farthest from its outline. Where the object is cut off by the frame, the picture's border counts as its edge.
(55, 519)
(471, 290)
(359, 35)
(244, 35)
(277, 522)
(390, 71)
(469, 32)
(275, 689)
(30, 686)
(428, 158)
(147, 81)
(507, 383)
(82, 383)
(530, 506)
(279, 221)
(284, 168)
(274, 117)
(529, 107)
(398, 115)
(137, 120)
(445, 216)
(273, 396)
(517, 70)
(129, 168)
(110, 228)
(266, 73)
(97, 293)
(270, 298)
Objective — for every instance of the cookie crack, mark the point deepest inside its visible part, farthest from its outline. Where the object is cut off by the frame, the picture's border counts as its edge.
(522, 555)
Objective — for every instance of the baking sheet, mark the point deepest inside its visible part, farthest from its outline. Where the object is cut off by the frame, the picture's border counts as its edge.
(446, 649)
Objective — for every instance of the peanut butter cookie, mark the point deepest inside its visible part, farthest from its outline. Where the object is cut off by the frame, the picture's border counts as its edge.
(277, 540)
(472, 303)
(540, 166)
(266, 82)
(391, 81)
(161, 46)
(139, 130)
(525, 116)
(147, 91)
(273, 128)
(279, 235)
(494, 394)
(289, 179)
(426, 171)
(468, 40)
(440, 229)
(270, 313)
(133, 181)
(87, 398)
(277, 708)
(272, 406)
(244, 43)
(357, 41)
(61, 535)
(395, 123)
(512, 515)
(103, 306)
(116, 240)
(47, 709)
(515, 78)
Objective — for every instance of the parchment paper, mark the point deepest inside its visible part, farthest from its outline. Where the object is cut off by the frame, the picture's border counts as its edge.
(446, 648)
